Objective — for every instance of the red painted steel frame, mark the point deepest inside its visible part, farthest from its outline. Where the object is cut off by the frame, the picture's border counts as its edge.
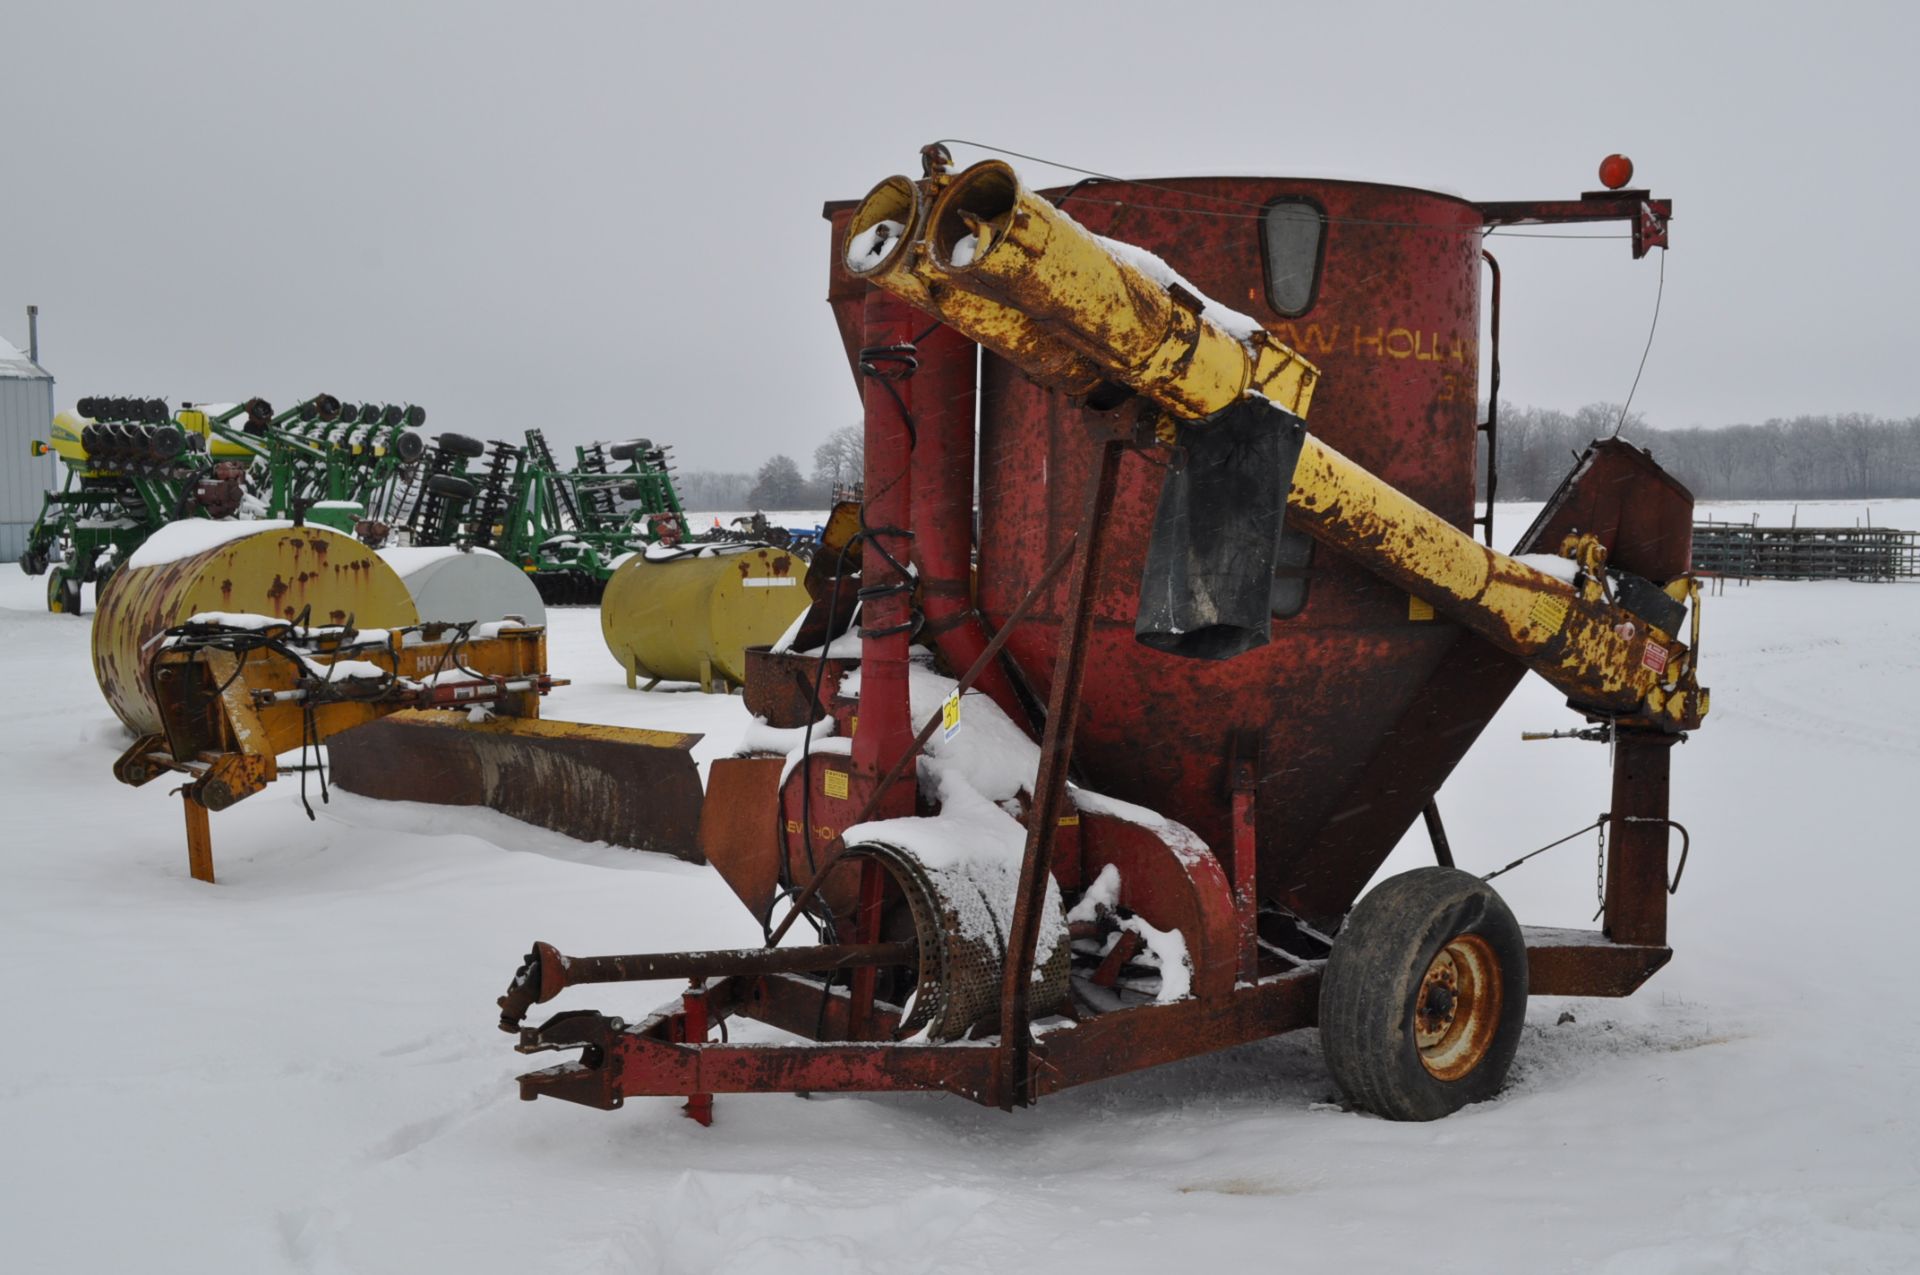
(942, 473)
(886, 726)
(1637, 866)
(665, 1056)
(658, 1058)
(1012, 1072)
(1648, 216)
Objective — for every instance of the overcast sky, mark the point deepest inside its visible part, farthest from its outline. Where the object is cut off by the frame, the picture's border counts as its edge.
(605, 219)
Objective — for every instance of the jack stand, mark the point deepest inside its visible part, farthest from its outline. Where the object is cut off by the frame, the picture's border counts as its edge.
(199, 841)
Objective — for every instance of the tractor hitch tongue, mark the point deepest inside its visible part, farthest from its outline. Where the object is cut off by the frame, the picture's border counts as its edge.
(546, 972)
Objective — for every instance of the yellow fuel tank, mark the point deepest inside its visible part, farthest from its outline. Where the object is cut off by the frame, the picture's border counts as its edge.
(691, 618)
(256, 568)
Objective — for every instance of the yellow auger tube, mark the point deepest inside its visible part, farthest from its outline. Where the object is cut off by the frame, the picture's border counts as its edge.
(1573, 638)
(896, 262)
(990, 237)
(1036, 269)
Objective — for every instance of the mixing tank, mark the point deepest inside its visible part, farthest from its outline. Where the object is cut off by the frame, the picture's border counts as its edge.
(197, 566)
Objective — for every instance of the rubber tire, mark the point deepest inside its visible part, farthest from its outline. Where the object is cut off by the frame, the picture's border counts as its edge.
(452, 486)
(629, 450)
(64, 590)
(164, 442)
(409, 446)
(461, 445)
(1373, 978)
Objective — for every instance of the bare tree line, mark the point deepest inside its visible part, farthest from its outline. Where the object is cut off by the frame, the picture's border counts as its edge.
(778, 482)
(1849, 456)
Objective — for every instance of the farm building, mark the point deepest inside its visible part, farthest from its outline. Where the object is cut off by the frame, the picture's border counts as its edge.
(26, 413)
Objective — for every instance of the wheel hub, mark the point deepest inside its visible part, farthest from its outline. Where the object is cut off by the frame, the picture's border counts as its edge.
(1457, 1008)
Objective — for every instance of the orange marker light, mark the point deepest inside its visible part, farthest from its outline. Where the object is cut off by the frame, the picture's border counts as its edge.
(1615, 171)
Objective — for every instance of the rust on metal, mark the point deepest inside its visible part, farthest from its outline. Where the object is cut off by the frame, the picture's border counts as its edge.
(1049, 792)
(546, 972)
(1125, 947)
(1587, 963)
(199, 840)
(780, 684)
(280, 573)
(1457, 1007)
(621, 785)
(736, 827)
(818, 873)
(1637, 837)
(1297, 766)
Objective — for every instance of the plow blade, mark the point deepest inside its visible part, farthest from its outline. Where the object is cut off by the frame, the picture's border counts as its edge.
(624, 786)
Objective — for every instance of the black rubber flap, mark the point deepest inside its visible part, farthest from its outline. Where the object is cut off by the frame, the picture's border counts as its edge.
(1650, 602)
(1207, 589)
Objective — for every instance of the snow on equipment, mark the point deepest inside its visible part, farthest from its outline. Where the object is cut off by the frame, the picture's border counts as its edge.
(198, 567)
(456, 584)
(133, 467)
(1278, 639)
(225, 645)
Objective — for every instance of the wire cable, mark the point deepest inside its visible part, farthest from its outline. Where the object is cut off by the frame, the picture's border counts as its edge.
(1659, 292)
(1259, 210)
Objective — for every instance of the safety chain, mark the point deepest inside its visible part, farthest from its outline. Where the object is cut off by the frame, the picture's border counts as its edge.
(1600, 871)
(1599, 825)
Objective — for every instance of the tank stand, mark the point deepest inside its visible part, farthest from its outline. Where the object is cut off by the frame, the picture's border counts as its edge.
(199, 840)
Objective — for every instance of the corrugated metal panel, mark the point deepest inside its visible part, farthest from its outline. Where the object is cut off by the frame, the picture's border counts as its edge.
(26, 413)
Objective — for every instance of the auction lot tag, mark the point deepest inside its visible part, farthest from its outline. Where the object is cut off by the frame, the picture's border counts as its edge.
(950, 716)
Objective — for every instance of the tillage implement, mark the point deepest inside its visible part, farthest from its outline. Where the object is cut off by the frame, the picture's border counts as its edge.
(133, 466)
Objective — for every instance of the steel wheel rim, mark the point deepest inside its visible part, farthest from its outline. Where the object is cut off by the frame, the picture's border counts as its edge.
(1456, 1010)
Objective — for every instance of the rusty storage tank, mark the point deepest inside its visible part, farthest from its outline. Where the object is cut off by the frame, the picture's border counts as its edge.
(1362, 702)
(689, 614)
(254, 568)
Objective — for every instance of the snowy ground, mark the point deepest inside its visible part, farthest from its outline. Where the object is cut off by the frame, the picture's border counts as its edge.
(299, 1069)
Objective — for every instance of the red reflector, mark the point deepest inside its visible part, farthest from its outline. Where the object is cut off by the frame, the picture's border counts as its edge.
(1615, 171)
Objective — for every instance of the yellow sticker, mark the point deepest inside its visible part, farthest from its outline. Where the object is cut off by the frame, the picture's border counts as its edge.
(950, 716)
(1069, 821)
(835, 784)
(1548, 612)
(1419, 608)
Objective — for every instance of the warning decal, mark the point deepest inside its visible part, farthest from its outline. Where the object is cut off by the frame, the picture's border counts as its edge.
(1549, 612)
